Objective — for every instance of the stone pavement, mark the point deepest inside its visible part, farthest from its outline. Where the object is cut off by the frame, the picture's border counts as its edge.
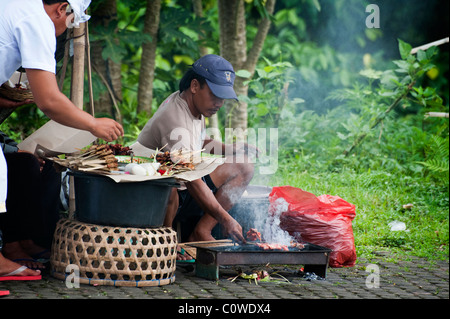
(414, 278)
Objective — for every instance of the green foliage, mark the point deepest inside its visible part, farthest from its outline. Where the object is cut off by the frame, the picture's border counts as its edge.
(268, 93)
(133, 122)
(386, 108)
(437, 156)
(23, 122)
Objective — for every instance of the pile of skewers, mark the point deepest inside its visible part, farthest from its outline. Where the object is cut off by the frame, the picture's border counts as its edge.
(96, 159)
(176, 162)
(102, 159)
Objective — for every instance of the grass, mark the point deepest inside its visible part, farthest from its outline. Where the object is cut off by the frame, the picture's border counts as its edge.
(379, 198)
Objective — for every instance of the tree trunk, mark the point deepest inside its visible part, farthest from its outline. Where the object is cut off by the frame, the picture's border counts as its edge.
(233, 47)
(109, 70)
(198, 10)
(79, 47)
(147, 71)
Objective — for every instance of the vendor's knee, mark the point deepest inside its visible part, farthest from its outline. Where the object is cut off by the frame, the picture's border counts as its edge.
(173, 198)
(246, 170)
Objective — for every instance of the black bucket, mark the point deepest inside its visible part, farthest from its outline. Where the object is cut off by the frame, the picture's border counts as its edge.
(100, 200)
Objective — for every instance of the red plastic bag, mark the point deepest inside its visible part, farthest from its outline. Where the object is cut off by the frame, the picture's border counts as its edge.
(324, 220)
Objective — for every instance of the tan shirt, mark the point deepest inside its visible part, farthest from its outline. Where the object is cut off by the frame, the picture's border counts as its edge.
(174, 127)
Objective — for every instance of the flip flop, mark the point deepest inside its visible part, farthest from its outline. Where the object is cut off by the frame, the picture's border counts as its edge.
(20, 260)
(12, 276)
(4, 293)
(186, 261)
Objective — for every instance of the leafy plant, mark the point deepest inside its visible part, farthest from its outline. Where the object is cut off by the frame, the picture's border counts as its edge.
(269, 93)
(399, 85)
(437, 159)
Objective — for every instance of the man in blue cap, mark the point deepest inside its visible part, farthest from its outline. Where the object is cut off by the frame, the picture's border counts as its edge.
(179, 123)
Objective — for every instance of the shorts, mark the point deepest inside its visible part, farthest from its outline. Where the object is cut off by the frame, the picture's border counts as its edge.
(189, 212)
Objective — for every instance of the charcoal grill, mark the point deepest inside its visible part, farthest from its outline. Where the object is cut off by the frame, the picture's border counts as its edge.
(314, 258)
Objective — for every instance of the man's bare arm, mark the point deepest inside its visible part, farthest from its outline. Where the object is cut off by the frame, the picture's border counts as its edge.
(59, 108)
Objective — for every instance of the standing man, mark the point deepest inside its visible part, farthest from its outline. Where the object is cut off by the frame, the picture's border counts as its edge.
(179, 123)
(28, 31)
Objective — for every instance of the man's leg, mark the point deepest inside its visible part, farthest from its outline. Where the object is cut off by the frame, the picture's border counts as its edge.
(231, 180)
(172, 208)
(171, 212)
(24, 212)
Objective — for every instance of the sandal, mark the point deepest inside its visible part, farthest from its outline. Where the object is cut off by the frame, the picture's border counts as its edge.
(14, 275)
(183, 252)
(28, 262)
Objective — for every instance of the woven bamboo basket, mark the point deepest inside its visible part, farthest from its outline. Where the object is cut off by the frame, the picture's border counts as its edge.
(15, 94)
(114, 256)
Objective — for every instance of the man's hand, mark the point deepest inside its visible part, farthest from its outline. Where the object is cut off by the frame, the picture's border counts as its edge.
(5, 103)
(59, 108)
(233, 230)
(107, 129)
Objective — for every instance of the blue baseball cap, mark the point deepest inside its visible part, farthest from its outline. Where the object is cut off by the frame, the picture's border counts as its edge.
(219, 75)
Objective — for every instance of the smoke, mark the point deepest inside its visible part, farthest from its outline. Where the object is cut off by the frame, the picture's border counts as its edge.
(254, 210)
(268, 224)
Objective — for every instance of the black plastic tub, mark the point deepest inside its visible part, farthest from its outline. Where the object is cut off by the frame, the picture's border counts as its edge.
(100, 200)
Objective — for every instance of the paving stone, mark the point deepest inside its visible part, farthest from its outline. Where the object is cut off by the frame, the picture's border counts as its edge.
(414, 278)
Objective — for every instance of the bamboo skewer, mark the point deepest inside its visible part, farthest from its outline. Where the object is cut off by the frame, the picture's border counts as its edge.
(97, 158)
(436, 114)
(429, 45)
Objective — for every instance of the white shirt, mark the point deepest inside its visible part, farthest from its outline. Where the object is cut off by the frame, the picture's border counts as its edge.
(27, 37)
(174, 127)
(3, 182)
